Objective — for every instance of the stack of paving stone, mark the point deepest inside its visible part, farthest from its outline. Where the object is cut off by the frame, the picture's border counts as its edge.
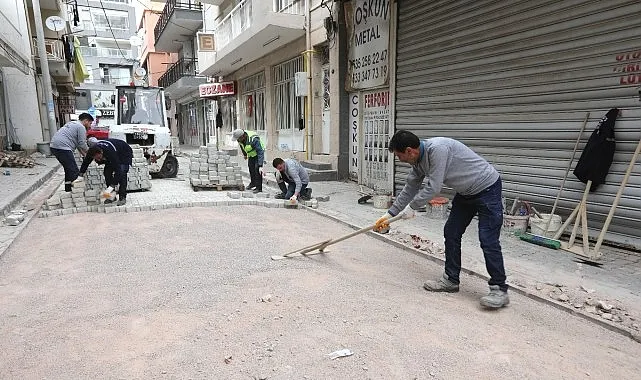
(138, 177)
(79, 198)
(213, 168)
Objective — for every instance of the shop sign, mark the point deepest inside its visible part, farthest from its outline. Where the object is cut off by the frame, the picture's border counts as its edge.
(216, 89)
(368, 25)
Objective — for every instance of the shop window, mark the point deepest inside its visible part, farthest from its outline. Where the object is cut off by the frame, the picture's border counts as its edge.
(289, 110)
(253, 102)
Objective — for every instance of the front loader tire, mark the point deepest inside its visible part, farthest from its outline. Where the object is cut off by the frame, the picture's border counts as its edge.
(169, 167)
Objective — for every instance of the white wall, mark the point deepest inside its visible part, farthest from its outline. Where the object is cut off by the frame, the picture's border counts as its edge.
(20, 88)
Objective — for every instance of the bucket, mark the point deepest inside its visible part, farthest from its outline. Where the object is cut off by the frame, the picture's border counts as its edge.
(437, 208)
(515, 223)
(382, 201)
(44, 148)
(538, 224)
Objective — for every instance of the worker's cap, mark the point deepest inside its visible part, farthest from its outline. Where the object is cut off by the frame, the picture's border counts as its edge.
(91, 141)
(238, 133)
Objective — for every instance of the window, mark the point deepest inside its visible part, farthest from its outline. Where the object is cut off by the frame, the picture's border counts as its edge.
(117, 75)
(140, 106)
(289, 110)
(90, 71)
(118, 20)
(253, 102)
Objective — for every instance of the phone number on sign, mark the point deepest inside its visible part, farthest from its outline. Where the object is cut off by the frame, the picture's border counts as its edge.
(369, 74)
(370, 59)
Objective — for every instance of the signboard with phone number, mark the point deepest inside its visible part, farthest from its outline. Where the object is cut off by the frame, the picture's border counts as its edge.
(368, 26)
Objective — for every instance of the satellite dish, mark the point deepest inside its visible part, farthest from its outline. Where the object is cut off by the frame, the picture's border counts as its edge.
(135, 40)
(55, 23)
(140, 72)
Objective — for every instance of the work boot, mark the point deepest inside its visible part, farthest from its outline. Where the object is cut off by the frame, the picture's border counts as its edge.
(256, 191)
(280, 196)
(250, 187)
(121, 202)
(67, 187)
(307, 195)
(496, 299)
(443, 284)
(109, 201)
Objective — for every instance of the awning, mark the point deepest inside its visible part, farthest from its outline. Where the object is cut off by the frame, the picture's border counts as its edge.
(80, 70)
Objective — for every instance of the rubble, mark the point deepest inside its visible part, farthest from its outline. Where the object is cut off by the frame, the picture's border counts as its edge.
(15, 161)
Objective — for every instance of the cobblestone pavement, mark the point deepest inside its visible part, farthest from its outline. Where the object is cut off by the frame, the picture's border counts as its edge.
(555, 277)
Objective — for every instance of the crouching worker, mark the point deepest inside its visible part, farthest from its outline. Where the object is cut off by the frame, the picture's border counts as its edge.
(292, 179)
(117, 156)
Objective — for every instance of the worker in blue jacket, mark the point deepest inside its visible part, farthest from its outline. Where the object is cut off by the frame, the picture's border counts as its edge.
(117, 156)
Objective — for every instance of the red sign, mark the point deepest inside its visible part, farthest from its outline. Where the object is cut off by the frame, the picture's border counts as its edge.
(216, 89)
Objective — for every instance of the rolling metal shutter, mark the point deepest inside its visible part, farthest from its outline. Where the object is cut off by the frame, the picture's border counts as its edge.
(514, 79)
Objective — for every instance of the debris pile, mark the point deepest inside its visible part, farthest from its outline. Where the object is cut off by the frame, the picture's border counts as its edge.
(213, 168)
(15, 217)
(15, 161)
(585, 300)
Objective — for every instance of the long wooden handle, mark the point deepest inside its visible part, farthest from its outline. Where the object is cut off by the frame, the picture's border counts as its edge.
(358, 232)
(615, 203)
(567, 171)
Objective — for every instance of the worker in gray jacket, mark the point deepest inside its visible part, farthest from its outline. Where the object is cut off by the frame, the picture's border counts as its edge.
(70, 137)
(292, 178)
(444, 161)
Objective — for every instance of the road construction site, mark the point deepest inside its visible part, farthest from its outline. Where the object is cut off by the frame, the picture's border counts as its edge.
(181, 284)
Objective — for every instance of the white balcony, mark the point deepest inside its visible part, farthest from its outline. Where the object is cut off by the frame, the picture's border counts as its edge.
(89, 51)
(55, 56)
(179, 20)
(251, 30)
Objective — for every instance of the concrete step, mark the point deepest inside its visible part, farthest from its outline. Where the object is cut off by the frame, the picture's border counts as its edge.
(316, 165)
(322, 175)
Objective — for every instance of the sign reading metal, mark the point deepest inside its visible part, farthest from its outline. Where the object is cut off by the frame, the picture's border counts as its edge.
(216, 89)
(368, 25)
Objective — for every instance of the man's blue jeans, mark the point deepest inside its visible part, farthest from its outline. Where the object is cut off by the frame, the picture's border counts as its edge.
(68, 162)
(489, 208)
(288, 188)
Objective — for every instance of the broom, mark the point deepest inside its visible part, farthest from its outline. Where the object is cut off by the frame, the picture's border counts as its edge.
(539, 240)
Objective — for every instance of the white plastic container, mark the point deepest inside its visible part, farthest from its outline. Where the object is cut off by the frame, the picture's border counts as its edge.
(515, 223)
(537, 225)
(382, 201)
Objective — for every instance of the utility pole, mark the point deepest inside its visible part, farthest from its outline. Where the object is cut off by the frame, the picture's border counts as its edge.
(44, 65)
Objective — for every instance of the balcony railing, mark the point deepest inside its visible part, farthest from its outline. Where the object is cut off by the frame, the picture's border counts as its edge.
(184, 67)
(241, 18)
(55, 49)
(89, 51)
(168, 11)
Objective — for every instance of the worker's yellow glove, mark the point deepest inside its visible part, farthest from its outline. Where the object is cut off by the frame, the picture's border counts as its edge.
(382, 224)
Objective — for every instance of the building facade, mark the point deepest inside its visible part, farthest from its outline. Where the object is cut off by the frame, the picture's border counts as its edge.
(105, 30)
(18, 78)
(266, 66)
(153, 61)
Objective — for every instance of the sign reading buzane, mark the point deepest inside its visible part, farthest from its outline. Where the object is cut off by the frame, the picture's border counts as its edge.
(368, 24)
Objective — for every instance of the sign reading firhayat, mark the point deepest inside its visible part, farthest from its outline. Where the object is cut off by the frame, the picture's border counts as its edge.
(368, 24)
(216, 89)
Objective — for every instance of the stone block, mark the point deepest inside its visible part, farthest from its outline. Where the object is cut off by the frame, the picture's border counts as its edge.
(234, 194)
(247, 194)
(65, 195)
(262, 195)
(324, 198)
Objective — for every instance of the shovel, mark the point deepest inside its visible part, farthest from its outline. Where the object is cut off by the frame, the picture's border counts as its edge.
(320, 247)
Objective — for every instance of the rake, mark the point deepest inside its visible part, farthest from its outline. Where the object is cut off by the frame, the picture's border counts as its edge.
(317, 248)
